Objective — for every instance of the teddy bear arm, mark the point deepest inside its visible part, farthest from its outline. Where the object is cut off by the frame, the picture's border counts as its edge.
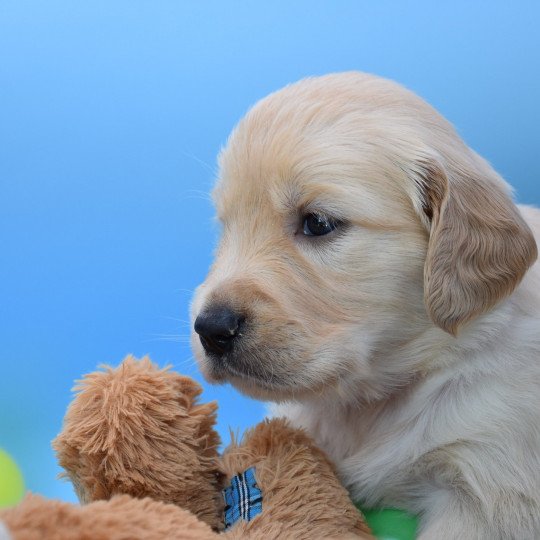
(37, 518)
(302, 497)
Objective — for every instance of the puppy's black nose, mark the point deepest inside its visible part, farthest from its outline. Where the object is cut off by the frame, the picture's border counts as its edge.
(218, 328)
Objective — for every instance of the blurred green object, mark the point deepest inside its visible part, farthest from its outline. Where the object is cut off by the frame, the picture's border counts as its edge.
(390, 523)
(11, 481)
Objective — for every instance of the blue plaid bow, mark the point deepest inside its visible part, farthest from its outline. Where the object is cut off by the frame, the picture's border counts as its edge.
(243, 498)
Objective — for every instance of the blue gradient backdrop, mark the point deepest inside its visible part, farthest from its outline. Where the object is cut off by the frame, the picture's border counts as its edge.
(111, 115)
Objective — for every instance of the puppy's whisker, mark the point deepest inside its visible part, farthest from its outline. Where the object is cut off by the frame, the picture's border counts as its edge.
(190, 361)
(206, 166)
(196, 196)
(187, 291)
(183, 322)
(178, 338)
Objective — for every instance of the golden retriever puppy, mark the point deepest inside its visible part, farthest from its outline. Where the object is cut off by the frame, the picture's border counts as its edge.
(376, 281)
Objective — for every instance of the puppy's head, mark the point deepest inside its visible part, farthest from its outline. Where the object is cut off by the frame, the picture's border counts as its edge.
(354, 220)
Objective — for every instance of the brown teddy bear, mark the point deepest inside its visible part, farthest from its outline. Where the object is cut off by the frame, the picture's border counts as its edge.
(142, 454)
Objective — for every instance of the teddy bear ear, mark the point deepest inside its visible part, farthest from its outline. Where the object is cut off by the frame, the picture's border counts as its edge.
(479, 244)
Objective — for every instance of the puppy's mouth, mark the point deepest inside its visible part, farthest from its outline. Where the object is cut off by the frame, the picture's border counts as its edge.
(256, 385)
(261, 378)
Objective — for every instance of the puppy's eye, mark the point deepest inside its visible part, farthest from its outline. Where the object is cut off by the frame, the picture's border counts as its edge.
(317, 225)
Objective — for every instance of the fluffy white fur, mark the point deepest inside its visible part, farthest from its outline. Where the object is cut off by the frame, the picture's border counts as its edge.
(407, 341)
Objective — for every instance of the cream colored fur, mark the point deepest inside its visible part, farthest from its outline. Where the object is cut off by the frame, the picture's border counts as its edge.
(407, 341)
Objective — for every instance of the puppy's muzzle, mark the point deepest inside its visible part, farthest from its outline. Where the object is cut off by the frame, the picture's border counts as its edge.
(219, 329)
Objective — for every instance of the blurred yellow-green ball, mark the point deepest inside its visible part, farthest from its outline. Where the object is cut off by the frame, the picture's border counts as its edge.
(11, 481)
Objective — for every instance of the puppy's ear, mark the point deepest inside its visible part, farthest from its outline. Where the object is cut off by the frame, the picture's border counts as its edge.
(479, 249)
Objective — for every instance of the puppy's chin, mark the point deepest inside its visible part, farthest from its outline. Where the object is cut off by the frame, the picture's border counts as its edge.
(277, 392)
(262, 386)
(250, 385)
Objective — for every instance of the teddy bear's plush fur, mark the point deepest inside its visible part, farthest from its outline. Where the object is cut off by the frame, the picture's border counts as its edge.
(139, 430)
(142, 454)
(121, 518)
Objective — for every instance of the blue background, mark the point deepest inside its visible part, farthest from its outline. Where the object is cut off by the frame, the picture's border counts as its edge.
(111, 115)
